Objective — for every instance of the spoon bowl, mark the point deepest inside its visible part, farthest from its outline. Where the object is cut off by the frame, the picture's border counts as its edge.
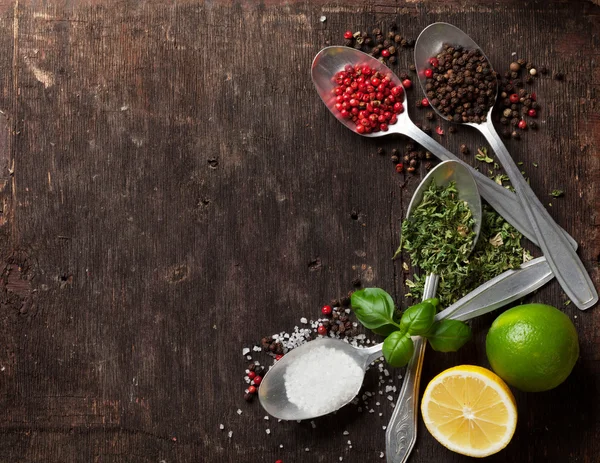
(272, 392)
(431, 41)
(442, 175)
(333, 59)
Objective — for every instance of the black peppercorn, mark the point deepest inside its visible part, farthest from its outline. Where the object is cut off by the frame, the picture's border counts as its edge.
(413, 163)
(410, 147)
(429, 115)
(248, 397)
(395, 159)
(376, 31)
(412, 68)
(558, 76)
(452, 129)
(521, 61)
(543, 70)
(515, 135)
(535, 105)
(394, 151)
(529, 79)
(506, 133)
(349, 42)
(380, 151)
(529, 66)
(406, 158)
(387, 43)
(464, 149)
(403, 75)
(503, 121)
(533, 125)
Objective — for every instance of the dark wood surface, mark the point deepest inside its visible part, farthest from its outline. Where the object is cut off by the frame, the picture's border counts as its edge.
(172, 189)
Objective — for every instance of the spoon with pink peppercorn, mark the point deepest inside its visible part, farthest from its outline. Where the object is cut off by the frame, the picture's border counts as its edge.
(350, 83)
(461, 85)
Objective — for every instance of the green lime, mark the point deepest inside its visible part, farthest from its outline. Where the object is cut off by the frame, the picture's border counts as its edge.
(532, 347)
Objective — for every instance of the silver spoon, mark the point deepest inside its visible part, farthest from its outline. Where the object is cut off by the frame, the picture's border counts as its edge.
(504, 289)
(333, 59)
(272, 391)
(559, 252)
(401, 433)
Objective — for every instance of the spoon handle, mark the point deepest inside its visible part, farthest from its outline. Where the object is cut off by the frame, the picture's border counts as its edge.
(562, 258)
(401, 434)
(502, 200)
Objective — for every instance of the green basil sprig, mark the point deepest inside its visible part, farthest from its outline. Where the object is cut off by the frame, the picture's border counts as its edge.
(375, 309)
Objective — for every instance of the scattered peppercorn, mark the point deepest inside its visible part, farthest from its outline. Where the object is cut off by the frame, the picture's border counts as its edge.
(523, 124)
(348, 35)
(533, 125)
(558, 76)
(395, 159)
(515, 67)
(248, 397)
(412, 67)
(399, 168)
(464, 149)
(452, 129)
(380, 151)
(429, 116)
(326, 310)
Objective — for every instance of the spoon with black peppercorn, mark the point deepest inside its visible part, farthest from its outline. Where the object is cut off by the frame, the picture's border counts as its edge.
(462, 86)
(326, 68)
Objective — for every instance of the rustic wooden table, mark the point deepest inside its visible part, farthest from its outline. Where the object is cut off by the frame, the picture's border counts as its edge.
(172, 189)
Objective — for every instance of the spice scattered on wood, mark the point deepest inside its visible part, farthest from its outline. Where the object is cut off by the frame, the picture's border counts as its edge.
(557, 193)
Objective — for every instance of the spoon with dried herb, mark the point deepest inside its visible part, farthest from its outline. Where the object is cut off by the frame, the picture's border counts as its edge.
(441, 229)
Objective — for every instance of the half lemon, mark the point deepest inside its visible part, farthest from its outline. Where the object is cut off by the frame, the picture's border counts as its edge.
(470, 410)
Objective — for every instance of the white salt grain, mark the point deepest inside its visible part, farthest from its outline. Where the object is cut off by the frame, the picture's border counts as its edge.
(322, 380)
(221, 426)
(303, 320)
(268, 431)
(345, 433)
(239, 412)
(229, 434)
(245, 351)
(381, 455)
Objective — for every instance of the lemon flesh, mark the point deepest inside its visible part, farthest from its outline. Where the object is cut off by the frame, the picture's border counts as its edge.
(470, 410)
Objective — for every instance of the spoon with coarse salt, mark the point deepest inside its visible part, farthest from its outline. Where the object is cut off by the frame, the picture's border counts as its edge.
(306, 384)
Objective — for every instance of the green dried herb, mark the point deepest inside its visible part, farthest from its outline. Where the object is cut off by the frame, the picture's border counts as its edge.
(483, 156)
(498, 249)
(557, 193)
(439, 234)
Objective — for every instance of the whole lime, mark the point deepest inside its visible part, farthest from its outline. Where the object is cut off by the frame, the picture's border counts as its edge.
(532, 347)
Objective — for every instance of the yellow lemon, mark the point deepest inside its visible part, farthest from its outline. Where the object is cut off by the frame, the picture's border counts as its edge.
(470, 410)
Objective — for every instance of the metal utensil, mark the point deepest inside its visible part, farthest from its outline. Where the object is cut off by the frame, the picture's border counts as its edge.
(559, 252)
(333, 59)
(402, 430)
(504, 289)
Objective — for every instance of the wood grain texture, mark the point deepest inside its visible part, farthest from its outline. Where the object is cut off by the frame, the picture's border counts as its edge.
(172, 189)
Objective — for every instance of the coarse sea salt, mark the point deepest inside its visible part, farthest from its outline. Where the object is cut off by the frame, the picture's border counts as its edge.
(322, 380)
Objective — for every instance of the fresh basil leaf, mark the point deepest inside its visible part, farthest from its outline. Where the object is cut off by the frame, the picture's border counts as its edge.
(398, 349)
(448, 335)
(417, 320)
(373, 307)
(434, 301)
